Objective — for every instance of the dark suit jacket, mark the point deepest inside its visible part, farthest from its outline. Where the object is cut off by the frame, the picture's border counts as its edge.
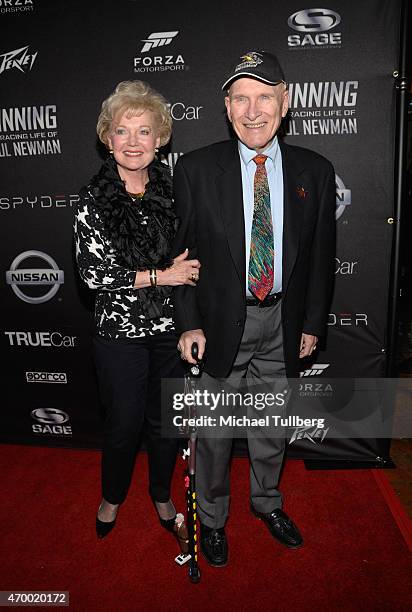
(209, 202)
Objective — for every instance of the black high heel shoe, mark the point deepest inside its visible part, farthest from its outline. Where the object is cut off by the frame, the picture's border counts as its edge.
(104, 528)
(168, 524)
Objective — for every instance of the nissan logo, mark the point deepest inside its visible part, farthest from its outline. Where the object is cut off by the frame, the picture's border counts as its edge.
(50, 416)
(49, 276)
(314, 20)
(343, 197)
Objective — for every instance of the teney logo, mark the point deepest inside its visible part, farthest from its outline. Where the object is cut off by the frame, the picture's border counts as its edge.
(20, 59)
(348, 319)
(315, 435)
(346, 268)
(315, 370)
(15, 6)
(51, 421)
(159, 63)
(50, 276)
(314, 24)
(43, 202)
(158, 39)
(45, 339)
(46, 377)
(343, 197)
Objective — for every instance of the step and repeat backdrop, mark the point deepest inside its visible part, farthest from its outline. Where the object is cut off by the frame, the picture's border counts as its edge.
(59, 59)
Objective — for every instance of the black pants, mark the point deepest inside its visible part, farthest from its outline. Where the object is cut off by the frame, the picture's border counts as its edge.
(129, 374)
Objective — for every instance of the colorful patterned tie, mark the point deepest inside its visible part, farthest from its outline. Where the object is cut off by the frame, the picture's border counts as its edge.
(260, 278)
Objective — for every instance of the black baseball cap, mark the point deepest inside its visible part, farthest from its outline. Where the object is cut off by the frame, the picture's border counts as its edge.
(259, 65)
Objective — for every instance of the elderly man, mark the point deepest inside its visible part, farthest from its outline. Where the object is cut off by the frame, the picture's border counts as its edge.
(259, 215)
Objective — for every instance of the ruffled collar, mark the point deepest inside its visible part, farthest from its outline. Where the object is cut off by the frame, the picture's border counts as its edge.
(140, 233)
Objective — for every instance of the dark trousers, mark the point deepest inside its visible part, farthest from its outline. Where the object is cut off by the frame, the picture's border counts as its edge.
(129, 374)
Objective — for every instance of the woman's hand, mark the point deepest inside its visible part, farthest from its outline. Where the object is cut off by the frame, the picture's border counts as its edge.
(183, 271)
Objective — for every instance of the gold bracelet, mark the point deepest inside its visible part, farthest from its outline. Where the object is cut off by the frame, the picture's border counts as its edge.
(153, 277)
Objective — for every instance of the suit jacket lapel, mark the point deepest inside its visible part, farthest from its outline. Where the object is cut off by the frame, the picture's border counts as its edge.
(293, 211)
(229, 188)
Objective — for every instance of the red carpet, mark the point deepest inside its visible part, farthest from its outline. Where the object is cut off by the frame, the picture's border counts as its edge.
(354, 555)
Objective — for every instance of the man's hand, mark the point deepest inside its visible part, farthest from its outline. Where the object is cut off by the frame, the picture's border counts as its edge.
(307, 345)
(185, 344)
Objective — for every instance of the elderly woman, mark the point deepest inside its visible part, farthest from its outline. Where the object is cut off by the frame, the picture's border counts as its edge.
(123, 230)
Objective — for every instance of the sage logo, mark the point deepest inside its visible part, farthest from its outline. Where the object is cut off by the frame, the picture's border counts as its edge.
(49, 276)
(50, 416)
(158, 39)
(343, 197)
(46, 377)
(314, 25)
(20, 59)
(314, 20)
(51, 421)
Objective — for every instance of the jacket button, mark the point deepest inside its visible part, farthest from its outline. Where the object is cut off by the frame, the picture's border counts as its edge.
(238, 322)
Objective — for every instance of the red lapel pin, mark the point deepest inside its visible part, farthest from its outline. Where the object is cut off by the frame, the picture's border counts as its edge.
(301, 192)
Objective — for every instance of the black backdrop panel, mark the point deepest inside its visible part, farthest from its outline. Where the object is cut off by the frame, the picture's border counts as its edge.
(59, 60)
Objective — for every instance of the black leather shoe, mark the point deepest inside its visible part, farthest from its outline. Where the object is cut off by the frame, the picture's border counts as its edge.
(213, 545)
(103, 529)
(281, 527)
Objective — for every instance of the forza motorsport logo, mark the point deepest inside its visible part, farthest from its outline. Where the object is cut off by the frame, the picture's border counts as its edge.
(47, 279)
(313, 26)
(156, 62)
(51, 422)
(21, 59)
(16, 6)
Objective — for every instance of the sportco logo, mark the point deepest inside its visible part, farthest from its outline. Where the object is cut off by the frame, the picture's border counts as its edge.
(46, 377)
(314, 24)
(158, 63)
(158, 39)
(20, 59)
(44, 277)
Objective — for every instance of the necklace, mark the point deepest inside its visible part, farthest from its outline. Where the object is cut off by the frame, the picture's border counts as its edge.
(135, 196)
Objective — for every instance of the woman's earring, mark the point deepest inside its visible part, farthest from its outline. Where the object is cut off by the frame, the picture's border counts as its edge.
(111, 151)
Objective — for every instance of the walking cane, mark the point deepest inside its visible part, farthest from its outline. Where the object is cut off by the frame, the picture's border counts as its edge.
(190, 480)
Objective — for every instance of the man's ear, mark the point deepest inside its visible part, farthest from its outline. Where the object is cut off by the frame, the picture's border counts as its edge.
(227, 104)
(285, 103)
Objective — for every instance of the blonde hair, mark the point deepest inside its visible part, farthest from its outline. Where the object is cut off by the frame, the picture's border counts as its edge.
(134, 98)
